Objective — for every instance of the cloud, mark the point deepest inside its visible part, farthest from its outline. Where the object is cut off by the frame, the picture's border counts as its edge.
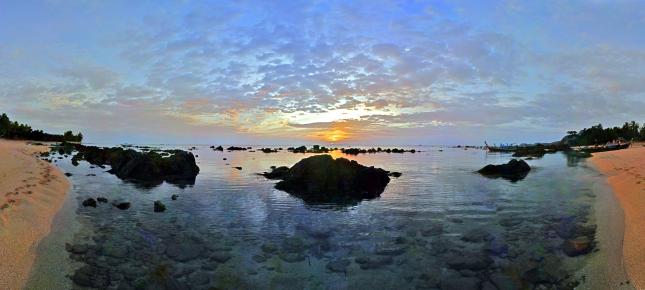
(265, 70)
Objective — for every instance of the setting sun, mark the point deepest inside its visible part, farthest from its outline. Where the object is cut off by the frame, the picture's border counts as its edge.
(335, 135)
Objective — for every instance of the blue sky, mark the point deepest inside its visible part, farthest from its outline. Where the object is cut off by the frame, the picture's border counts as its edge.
(362, 72)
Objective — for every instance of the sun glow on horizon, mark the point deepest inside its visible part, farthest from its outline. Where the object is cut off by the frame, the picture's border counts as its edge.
(335, 135)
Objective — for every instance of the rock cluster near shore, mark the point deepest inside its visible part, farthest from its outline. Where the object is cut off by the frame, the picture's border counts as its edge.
(148, 168)
(322, 178)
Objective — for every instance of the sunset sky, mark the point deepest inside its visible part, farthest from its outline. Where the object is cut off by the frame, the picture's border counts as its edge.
(285, 72)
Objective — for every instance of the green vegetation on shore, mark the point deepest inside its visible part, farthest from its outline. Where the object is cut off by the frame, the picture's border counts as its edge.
(15, 130)
(630, 131)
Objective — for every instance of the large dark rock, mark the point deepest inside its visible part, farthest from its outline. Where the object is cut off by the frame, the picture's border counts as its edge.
(147, 168)
(513, 170)
(324, 179)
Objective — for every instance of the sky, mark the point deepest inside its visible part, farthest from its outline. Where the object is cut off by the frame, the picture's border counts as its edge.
(309, 72)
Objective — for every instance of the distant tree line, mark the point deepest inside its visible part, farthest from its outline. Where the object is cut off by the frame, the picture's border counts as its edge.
(15, 130)
(630, 131)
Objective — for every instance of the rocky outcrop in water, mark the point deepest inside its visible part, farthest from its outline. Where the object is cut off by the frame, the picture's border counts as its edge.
(324, 179)
(147, 168)
(514, 170)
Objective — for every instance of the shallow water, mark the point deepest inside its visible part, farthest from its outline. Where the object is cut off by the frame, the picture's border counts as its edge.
(439, 226)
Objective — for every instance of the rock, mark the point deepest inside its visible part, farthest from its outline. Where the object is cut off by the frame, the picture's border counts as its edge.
(122, 205)
(339, 265)
(456, 282)
(277, 173)
(374, 262)
(269, 248)
(68, 174)
(235, 148)
(496, 247)
(432, 230)
(114, 250)
(174, 196)
(504, 282)
(76, 248)
(477, 235)
(514, 170)
(321, 178)
(395, 174)
(468, 261)
(198, 278)
(390, 249)
(293, 245)
(148, 168)
(237, 167)
(259, 258)
(579, 246)
(185, 251)
(159, 206)
(220, 256)
(292, 257)
(102, 199)
(219, 148)
(88, 276)
(89, 202)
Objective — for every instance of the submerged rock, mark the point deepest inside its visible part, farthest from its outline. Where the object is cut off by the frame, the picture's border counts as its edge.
(159, 206)
(102, 199)
(514, 170)
(578, 246)
(174, 196)
(321, 178)
(338, 266)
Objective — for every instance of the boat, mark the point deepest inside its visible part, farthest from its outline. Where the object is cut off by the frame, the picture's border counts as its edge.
(506, 149)
(606, 147)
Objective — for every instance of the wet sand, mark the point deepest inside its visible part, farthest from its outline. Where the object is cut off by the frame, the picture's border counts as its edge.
(32, 191)
(625, 171)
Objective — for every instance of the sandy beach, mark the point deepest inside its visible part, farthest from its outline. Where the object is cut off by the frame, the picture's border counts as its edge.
(32, 192)
(625, 171)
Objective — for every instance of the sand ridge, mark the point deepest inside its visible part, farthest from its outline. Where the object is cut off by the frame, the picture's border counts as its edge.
(31, 192)
(625, 171)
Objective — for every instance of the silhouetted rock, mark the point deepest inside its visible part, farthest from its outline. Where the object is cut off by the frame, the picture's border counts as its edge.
(322, 178)
(513, 170)
(89, 202)
(102, 199)
(159, 206)
(147, 168)
(276, 173)
(235, 148)
(237, 167)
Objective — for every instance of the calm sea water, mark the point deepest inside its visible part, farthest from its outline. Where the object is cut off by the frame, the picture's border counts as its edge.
(438, 226)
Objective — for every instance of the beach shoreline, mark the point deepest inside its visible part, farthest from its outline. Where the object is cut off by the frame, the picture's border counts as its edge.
(625, 174)
(33, 191)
